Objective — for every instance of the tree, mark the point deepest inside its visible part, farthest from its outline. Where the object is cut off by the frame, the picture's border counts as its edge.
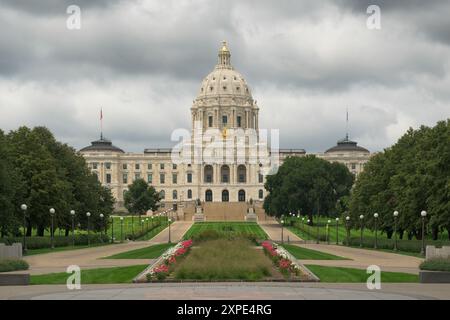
(141, 197)
(411, 176)
(307, 184)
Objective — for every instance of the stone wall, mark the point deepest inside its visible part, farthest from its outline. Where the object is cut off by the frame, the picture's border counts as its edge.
(433, 252)
(11, 252)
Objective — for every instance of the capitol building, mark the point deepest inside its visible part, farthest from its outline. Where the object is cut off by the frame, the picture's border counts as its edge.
(224, 160)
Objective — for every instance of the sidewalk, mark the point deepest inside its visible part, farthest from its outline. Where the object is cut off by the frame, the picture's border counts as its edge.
(273, 230)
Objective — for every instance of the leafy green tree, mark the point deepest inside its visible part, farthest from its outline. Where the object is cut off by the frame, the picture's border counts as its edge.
(308, 185)
(141, 197)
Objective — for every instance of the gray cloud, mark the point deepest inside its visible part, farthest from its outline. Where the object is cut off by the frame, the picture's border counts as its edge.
(143, 61)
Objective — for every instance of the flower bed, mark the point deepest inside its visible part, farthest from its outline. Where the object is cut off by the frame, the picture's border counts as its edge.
(169, 259)
(281, 258)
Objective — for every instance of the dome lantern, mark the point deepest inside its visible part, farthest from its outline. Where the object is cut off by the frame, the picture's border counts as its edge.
(224, 56)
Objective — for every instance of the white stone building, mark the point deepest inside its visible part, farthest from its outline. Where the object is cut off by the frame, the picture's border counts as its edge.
(224, 160)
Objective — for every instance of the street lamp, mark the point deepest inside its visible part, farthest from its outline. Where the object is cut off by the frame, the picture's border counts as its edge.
(361, 218)
(121, 229)
(146, 221)
(142, 225)
(72, 214)
(169, 220)
(309, 227)
(395, 230)
(88, 214)
(328, 231)
(347, 224)
(112, 229)
(318, 229)
(282, 236)
(424, 215)
(376, 230)
(101, 226)
(52, 212)
(337, 230)
(24, 209)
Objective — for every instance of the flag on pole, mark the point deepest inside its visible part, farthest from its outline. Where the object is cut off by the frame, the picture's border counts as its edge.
(101, 113)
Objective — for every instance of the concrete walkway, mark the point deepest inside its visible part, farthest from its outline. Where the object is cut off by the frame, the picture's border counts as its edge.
(89, 258)
(232, 291)
(273, 230)
(362, 258)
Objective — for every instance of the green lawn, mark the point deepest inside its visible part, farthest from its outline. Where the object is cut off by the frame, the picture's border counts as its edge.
(93, 276)
(151, 252)
(31, 252)
(308, 254)
(345, 275)
(250, 228)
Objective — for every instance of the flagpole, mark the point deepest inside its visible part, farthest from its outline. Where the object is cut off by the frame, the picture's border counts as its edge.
(101, 124)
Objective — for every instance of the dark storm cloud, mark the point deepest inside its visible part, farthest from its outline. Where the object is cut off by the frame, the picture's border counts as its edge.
(305, 61)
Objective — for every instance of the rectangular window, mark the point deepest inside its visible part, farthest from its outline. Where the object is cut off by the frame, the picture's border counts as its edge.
(189, 194)
(161, 166)
(108, 165)
(224, 120)
(125, 178)
(149, 166)
(108, 178)
(149, 178)
(174, 166)
(94, 165)
(189, 178)
(174, 178)
(239, 121)
(124, 166)
(210, 121)
(137, 166)
(162, 178)
(260, 178)
(353, 166)
(137, 176)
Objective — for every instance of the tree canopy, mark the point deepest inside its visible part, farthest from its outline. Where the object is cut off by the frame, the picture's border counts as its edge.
(141, 197)
(308, 185)
(411, 176)
(42, 173)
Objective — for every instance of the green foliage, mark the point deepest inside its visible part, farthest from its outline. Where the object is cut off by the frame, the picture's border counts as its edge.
(436, 264)
(151, 252)
(13, 265)
(42, 173)
(45, 242)
(413, 246)
(141, 197)
(230, 230)
(308, 185)
(309, 254)
(411, 176)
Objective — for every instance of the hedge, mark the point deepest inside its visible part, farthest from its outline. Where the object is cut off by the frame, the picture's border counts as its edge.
(59, 241)
(436, 264)
(140, 234)
(402, 245)
(13, 265)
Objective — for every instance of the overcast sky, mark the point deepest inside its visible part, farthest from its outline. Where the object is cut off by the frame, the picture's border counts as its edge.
(305, 61)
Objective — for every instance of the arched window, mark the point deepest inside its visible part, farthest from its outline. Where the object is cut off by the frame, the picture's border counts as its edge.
(208, 173)
(260, 194)
(241, 196)
(225, 174)
(162, 194)
(189, 194)
(174, 194)
(225, 196)
(242, 173)
(208, 196)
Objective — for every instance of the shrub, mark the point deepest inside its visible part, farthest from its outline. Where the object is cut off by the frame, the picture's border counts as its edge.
(402, 245)
(13, 265)
(45, 242)
(436, 264)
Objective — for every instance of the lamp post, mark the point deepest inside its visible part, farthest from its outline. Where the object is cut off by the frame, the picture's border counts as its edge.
(112, 229)
(146, 221)
(328, 231)
(72, 214)
(52, 212)
(303, 223)
(376, 231)
(121, 229)
(101, 226)
(152, 221)
(169, 220)
(309, 227)
(347, 224)
(395, 230)
(318, 229)
(423, 215)
(24, 209)
(361, 218)
(337, 230)
(142, 225)
(88, 214)
(282, 227)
